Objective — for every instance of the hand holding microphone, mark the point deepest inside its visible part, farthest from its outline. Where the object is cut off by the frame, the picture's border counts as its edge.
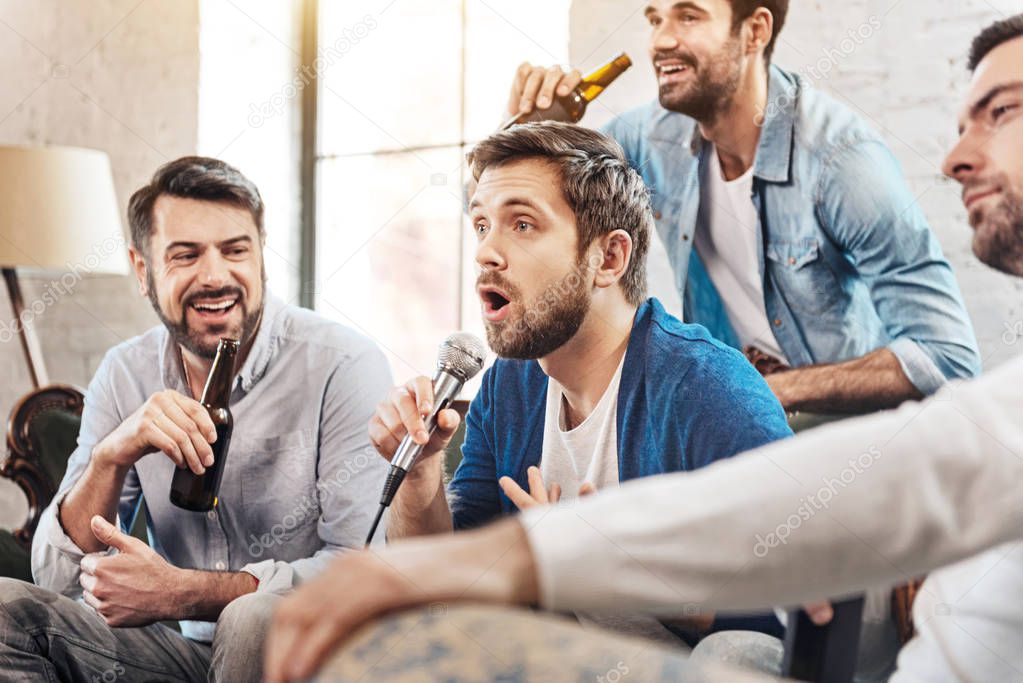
(416, 423)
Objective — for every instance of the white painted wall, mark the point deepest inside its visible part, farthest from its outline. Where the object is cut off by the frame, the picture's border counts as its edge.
(115, 75)
(907, 78)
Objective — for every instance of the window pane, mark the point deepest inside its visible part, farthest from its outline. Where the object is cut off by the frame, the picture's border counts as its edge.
(388, 247)
(249, 117)
(499, 37)
(389, 74)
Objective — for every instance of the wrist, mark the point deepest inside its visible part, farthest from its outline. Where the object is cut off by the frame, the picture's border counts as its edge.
(106, 458)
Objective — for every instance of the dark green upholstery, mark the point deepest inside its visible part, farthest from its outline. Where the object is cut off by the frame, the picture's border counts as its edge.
(54, 437)
(14, 559)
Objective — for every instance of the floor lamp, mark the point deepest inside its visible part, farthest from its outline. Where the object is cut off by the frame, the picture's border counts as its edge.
(58, 211)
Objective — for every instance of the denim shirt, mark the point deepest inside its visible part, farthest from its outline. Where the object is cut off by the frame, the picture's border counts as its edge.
(301, 480)
(848, 262)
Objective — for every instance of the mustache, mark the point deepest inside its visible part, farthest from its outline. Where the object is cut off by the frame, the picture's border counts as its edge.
(492, 279)
(683, 57)
(214, 294)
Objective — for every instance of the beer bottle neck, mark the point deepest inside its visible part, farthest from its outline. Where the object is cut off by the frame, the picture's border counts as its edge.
(217, 392)
(596, 82)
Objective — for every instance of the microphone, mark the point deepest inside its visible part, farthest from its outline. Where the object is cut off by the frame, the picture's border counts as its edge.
(460, 358)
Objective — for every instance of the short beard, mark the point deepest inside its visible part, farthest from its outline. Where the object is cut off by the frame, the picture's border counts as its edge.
(548, 322)
(188, 338)
(998, 234)
(713, 88)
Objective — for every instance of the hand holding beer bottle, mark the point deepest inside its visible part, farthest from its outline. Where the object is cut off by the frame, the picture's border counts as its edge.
(549, 93)
(198, 490)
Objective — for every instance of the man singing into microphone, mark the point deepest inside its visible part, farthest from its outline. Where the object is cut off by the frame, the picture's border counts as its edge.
(595, 384)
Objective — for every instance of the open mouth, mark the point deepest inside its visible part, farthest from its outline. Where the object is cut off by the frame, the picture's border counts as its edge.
(668, 72)
(495, 303)
(214, 308)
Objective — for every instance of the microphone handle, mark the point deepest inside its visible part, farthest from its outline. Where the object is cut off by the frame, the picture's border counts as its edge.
(445, 388)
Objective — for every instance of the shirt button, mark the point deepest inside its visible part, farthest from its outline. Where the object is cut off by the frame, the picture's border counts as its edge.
(657, 215)
(777, 322)
(685, 238)
(220, 566)
(212, 514)
(792, 260)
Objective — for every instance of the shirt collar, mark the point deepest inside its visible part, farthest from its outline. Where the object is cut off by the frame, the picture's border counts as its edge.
(774, 150)
(256, 363)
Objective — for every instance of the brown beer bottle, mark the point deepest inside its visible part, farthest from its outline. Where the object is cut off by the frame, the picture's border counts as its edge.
(571, 107)
(196, 492)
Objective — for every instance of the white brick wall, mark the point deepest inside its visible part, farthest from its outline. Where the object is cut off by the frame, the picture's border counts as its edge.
(906, 77)
(116, 75)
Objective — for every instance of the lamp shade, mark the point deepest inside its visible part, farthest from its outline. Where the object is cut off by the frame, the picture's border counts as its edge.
(58, 210)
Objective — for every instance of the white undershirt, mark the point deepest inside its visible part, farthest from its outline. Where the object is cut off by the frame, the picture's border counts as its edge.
(726, 240)
(587, 453)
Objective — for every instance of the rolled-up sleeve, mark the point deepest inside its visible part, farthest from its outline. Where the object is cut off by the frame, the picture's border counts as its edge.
(866, 206)
(350, 473)
(55, 557)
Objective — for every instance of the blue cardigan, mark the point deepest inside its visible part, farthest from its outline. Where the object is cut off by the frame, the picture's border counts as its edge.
(685, 400)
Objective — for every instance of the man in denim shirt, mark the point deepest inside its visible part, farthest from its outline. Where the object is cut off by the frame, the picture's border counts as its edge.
(811, 252)
(299, 483)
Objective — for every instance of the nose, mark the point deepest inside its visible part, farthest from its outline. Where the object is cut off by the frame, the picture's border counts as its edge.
(490, 252)
(966, 158)
(662, 39)
(214, 271)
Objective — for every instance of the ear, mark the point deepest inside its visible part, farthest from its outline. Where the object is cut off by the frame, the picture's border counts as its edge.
(613, 259)
(761, 29)
(138, 264)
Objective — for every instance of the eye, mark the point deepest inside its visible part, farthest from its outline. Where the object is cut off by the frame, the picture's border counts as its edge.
(237, 251)
(1002, 110)
(184, 256)
(522, 226)
(654, 21)
(480, 228)
(689, 18)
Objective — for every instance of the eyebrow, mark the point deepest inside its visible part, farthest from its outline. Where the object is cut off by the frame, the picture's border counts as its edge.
(982, 104)
(511, 201)
(196, 245)
(678, 6)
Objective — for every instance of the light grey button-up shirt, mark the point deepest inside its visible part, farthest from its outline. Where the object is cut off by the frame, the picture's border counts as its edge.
(301, 481)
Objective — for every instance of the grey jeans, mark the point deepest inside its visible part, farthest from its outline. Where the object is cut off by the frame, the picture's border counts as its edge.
(48, 637)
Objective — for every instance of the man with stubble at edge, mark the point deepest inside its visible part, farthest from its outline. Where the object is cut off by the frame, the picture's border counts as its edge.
(958, 451)
(789, 225)
(300, 482)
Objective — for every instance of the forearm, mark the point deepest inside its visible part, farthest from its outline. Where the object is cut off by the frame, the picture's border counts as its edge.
(873, 382)
(96, 492)
(420, 508)
(800, 520)
(202, 595)
(492, 565)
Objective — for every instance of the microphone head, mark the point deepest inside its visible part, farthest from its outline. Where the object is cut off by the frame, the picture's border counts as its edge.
(462, 354)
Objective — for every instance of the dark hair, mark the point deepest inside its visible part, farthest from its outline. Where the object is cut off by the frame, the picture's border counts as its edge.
(994, 35)
(192, 178)
(744, 9)
(604, 192)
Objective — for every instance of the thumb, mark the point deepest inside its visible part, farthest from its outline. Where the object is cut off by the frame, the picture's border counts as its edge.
(110, 535)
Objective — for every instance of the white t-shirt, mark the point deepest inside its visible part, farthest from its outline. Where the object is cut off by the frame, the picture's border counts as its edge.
(726, 240)
(589, 453)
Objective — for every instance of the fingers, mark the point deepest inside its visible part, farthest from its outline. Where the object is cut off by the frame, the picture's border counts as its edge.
(515, 96)
(183, 447)
(87, 581)
(587, 489)
(309, 653)
(90, 562)
(570, 81)
(407, 403)
(279, 645)
(109, 535)
(199, 416)
(515, 493)
(193, 444)
(555, 494)
(91, 600)
(386, 430)
(536, 487)
(530, 88)
(820, 613)
(422, 388)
